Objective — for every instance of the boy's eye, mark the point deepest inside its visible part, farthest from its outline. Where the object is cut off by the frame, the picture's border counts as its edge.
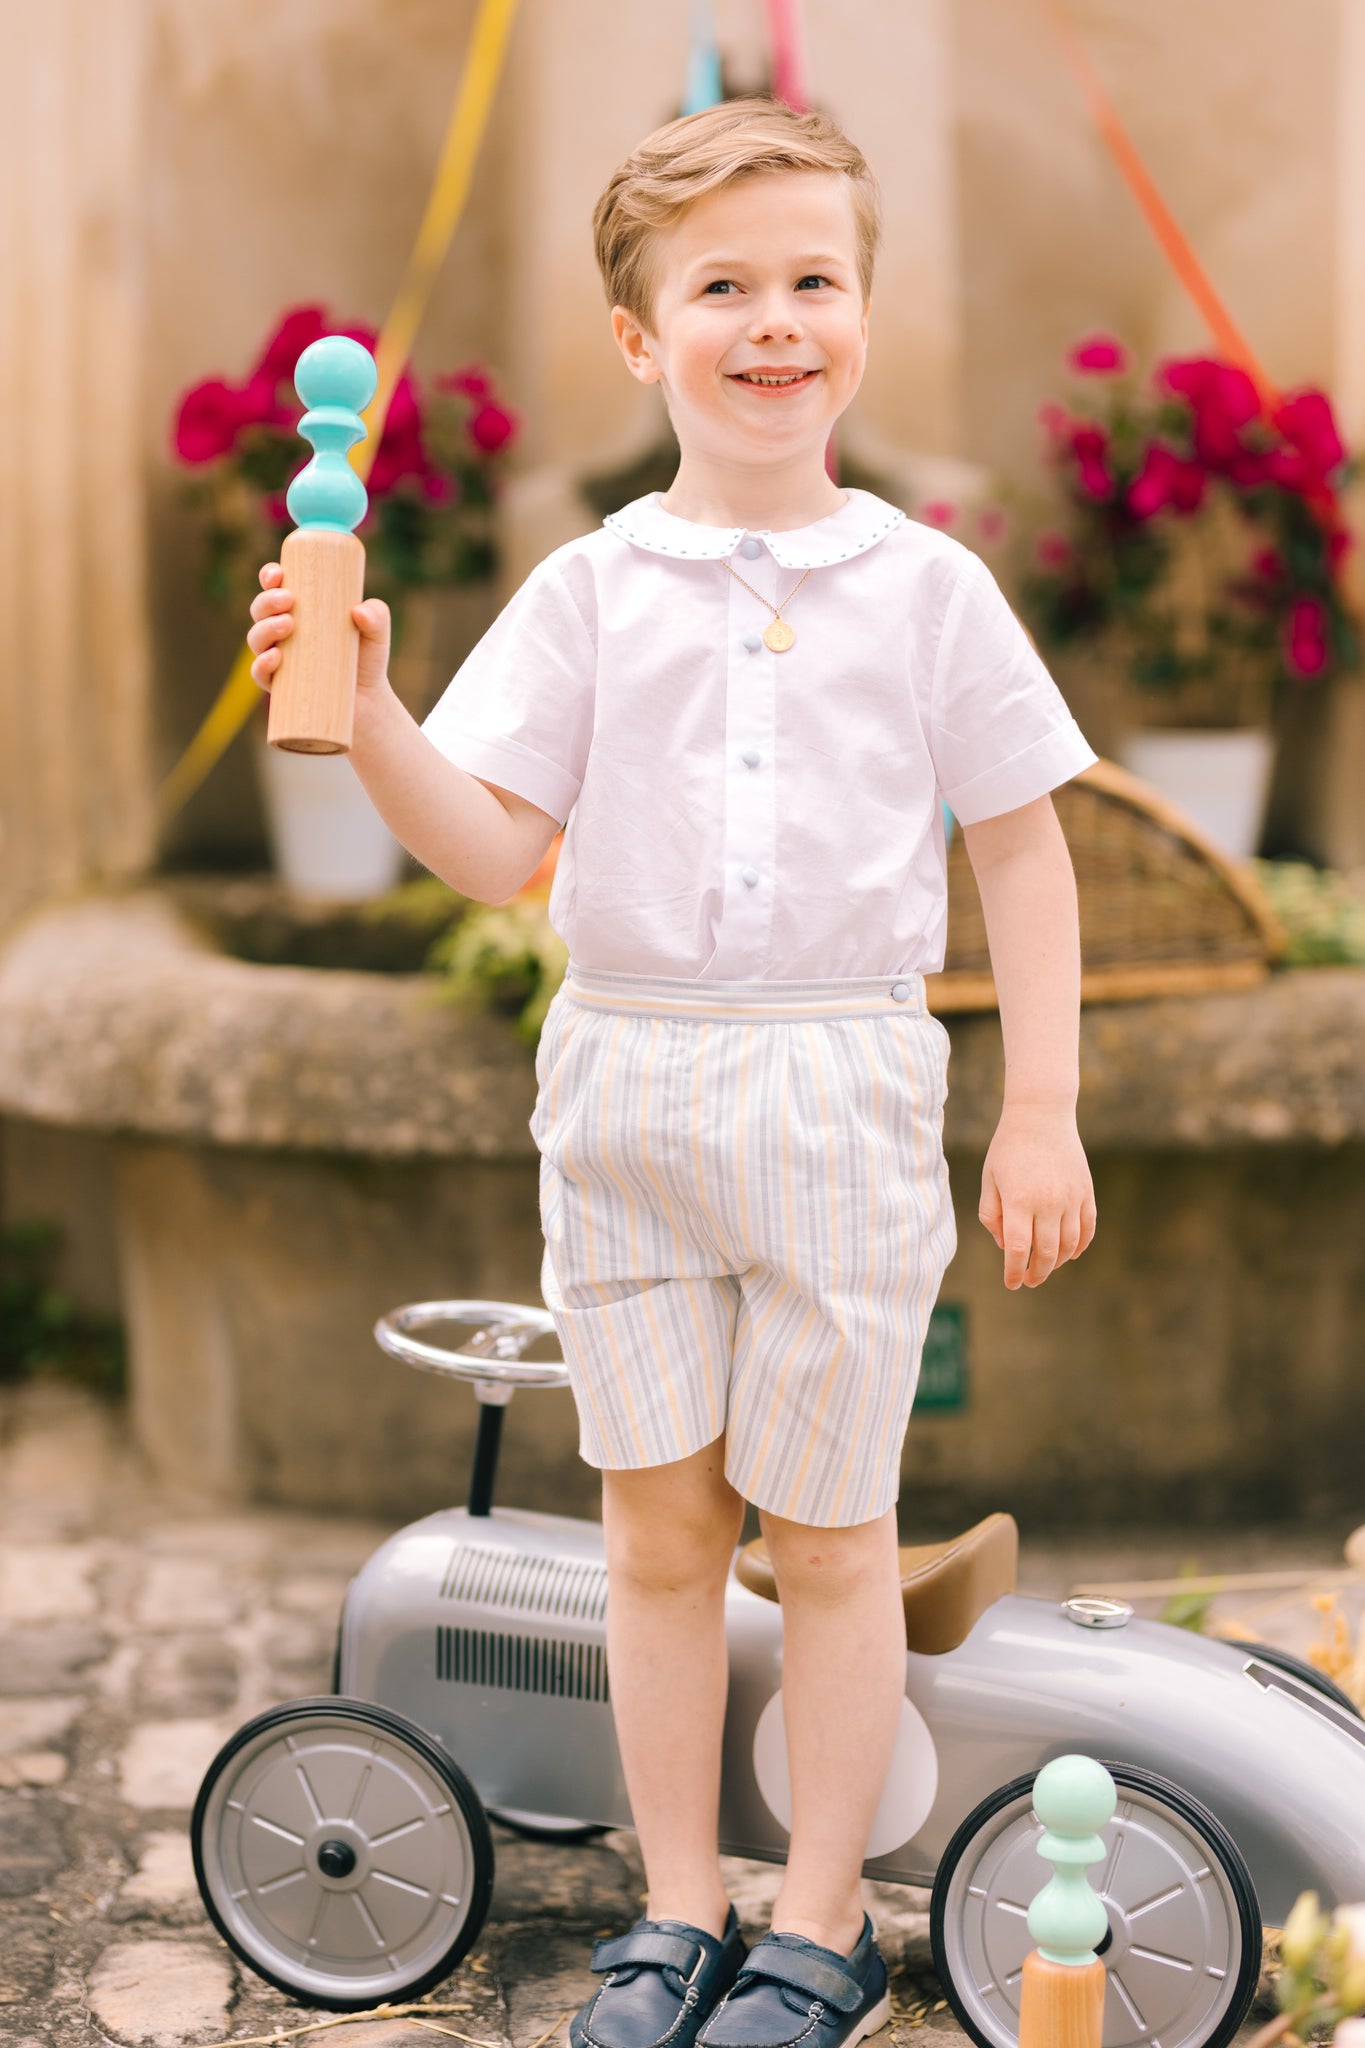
(720, 284)
(811, 279)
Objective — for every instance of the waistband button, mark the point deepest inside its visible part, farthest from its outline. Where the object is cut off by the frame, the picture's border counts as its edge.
(900, 992)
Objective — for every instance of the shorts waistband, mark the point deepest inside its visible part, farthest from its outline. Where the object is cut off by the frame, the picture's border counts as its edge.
(651, 995)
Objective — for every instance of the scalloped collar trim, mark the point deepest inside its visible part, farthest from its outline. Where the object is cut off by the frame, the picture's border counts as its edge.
(852, 530)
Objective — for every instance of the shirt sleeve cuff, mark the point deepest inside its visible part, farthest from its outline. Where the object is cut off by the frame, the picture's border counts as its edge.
(541, 781)
(1050, 761)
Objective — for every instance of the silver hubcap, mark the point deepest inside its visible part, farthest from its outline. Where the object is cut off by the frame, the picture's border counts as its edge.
(337, 1856)
(1175, 1943)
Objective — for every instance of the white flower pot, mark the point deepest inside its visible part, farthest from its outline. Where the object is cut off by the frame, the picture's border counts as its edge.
(1221, 778)
(326, 837)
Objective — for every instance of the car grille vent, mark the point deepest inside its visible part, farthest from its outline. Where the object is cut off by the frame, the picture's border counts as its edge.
(531, 1585)
(476, 1656)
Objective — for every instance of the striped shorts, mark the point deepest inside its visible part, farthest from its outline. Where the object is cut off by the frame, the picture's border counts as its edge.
(746, 1216)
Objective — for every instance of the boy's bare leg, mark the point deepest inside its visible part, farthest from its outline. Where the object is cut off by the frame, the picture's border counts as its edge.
(843, 1679)
(671, 1532)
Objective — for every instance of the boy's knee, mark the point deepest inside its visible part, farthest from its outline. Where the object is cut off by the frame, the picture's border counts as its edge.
(668, 1526)
(825, 1564)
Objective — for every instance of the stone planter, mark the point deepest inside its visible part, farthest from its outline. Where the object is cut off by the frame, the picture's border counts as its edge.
(1221, 778)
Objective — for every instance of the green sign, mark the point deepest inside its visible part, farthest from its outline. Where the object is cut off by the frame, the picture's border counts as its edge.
(943, 1363)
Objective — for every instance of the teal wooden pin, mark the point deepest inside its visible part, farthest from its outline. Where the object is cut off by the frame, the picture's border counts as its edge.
(1062, 1994)
(312, 702)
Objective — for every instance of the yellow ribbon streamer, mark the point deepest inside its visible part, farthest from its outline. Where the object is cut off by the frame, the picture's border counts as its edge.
(450, 190)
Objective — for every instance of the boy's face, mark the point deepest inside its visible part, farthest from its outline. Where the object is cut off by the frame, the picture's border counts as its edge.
(760, 278)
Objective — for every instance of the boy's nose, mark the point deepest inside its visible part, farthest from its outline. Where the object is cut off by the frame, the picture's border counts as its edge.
(772, 320)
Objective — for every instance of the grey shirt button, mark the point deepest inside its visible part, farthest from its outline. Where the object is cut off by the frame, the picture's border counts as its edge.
(751, 547)
(750, 755)
(749, 875)
(752, 642)
(900, 992)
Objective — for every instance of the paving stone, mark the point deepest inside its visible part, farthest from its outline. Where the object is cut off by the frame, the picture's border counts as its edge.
(162, 1764)
(161, 1994)
(26, 1959)
(186, 1593)
(32, 1844)
(28, 1723)
(544, 1973)
(32, 1767)
(589, 1882)
(47, 1581)
(50, 1657)
(164, 1875)
(194, 1675)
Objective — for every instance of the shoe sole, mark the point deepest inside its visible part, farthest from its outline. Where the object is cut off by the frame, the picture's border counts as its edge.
(870, 2022)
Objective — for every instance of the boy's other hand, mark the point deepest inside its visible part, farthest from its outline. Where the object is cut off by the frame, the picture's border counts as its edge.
(1037, 1197)
(273, 612)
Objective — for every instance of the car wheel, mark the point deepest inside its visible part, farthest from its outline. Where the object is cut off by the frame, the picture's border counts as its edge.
(1183, 1950)
(342, 1853)
(1298, 1667)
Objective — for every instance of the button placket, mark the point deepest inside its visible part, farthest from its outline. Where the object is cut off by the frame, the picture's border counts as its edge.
(745, 933)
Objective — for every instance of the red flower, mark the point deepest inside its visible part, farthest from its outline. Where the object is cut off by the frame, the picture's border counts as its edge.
(1090, 445)
(1052, 550)
(400, 453)
(1306, 638)
(1054, 419)
(938, 512)
(277, 509)
(490, 427)
(1268, 564)
(1306, 422)
(991, 522)
(437, 488)
(206, 424)
(300, 327)
(472, 382)
(1101, 355)
(1165, 479)
(1223, 400)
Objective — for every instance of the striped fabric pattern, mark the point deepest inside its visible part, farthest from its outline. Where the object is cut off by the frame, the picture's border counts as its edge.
(746, 1217)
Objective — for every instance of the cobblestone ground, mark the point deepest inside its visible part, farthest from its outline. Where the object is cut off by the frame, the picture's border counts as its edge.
(136, 1634)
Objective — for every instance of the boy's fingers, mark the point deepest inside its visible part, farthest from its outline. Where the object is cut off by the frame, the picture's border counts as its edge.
(266, 632)
(989, 1212)
(1046, 1245)
(262, 670)
(1017, 1245)
(271, 574)
(271, 601)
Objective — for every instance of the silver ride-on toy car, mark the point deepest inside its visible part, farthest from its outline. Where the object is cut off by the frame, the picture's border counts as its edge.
(342, 1846)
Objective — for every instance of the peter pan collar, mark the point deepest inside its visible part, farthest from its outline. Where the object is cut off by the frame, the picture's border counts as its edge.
(852, 530)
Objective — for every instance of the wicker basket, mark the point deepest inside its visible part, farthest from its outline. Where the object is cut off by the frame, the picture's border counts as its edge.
(1163, 911)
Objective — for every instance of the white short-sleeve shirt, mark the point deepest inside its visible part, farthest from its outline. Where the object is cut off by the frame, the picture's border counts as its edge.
(738, 814)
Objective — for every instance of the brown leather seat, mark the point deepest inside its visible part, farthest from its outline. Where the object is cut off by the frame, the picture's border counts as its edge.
(945, 1585)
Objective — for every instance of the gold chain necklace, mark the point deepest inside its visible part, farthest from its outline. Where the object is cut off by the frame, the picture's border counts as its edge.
(779, 636)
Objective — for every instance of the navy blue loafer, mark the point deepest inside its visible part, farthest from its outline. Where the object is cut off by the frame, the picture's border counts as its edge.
(791, 1990)
(665, 1977)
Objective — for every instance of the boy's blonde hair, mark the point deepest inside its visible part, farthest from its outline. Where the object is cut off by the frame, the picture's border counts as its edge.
(685, 160)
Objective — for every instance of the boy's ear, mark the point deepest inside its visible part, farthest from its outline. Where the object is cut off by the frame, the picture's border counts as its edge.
(635, 345)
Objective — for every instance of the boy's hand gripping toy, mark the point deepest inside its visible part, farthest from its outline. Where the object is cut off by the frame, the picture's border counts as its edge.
(312, 702)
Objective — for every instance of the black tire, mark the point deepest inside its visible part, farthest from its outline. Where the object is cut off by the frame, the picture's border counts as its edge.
(1298, 1667)
(542, 1828)
(1008, 1812)
(265, 1770)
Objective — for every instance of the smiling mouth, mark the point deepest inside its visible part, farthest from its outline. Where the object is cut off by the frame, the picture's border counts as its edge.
(768, 382)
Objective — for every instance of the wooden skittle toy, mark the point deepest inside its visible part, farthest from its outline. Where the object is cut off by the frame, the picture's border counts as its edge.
(312, 702)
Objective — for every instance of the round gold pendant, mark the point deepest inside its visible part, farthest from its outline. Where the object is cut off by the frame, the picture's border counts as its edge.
(779, 636)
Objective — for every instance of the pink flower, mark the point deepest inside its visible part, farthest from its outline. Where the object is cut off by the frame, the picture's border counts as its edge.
(1054, 419)
(1305, 637)
(1052, 550)
(472, 382)
(437, 488)
(400, 452)
(1101, 355)
(207, 422)
(1268, 564)
(299, 328)
(1223, 400)
(1090, 445)
(991, 522)
(1306, 421)
(277, 509)
(938, 512)
(490, 427)
(1165, 479)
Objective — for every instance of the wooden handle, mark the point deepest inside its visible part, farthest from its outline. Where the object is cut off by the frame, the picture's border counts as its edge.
(312, 700)
(1061, 2005)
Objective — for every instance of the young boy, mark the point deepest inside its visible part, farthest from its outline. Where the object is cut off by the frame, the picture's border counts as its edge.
(744, 699)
